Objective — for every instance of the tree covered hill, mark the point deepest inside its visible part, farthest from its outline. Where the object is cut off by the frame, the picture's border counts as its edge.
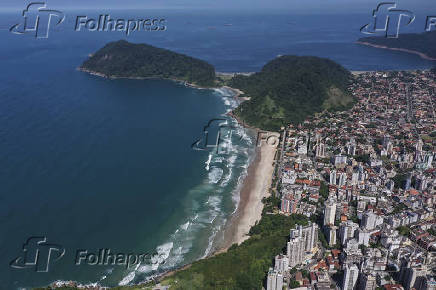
(124, 59)
(290, 88)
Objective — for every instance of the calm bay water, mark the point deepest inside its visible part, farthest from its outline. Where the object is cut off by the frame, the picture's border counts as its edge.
(92, 163)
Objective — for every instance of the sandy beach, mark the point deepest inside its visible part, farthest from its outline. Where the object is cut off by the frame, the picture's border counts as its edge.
(422, 55)
(255, 187)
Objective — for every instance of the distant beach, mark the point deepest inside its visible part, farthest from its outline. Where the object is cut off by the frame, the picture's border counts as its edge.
(422, 55)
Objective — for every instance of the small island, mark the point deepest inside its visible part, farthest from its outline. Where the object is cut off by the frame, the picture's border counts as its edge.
(123, 59)
(422, 44)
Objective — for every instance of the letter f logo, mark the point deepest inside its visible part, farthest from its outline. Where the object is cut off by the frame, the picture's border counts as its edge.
(38, 254)
(37, 19)
(388, 20)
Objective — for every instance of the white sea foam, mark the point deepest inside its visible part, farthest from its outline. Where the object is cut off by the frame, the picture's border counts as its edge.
(211, 239)
(185, 226)
(206, 216)
(215, 175)
(129, 277)
(224, 92)
(208, 162)
(227, 178)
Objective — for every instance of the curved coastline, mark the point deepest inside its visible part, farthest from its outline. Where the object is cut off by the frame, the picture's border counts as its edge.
(113, 77)
(422, 55)
(254, 187)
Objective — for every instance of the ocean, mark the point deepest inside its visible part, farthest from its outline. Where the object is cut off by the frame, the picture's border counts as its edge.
(91, 163)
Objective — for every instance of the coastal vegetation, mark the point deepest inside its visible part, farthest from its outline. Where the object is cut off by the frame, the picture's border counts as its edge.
(288, 89)
(122, 59)
(244, 266)
(419, 42)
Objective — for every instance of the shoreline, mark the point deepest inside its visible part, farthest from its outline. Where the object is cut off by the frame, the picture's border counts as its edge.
(422, 55)
(255, 185)
(111, 77)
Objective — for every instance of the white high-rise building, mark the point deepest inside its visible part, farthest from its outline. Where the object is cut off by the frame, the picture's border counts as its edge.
(302, 240)
(355, 178)
(330, 233)
(310, 236)
(351, 273)
(367, 282)
(419, 145)
(320, 150)
(295, 251)
(281, 264)
(342, 179)
(347, 230)
(274, 280)
(329, 212)
(363, 237)
(333, 177)
(369, 220)
(351, 147)
(340, 160)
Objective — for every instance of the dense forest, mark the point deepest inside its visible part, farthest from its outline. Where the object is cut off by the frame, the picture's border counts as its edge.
(290, 88)
(420, 42)
(124, 59)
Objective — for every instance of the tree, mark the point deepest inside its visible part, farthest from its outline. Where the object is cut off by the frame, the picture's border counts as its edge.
(324, 190)
(405, 231)
(294, 284)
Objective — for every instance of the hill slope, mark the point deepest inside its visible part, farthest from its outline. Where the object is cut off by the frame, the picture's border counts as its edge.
(290, 88)
(124, 59)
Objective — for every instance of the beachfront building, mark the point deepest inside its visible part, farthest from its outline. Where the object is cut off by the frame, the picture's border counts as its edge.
(302, 240)
(274, 280)
(295, 251)
(281, 263)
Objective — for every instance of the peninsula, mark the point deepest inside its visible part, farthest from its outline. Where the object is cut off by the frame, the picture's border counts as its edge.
(421, 44)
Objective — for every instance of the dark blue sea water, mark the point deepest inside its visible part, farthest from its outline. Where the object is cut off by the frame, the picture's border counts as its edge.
(92, 163)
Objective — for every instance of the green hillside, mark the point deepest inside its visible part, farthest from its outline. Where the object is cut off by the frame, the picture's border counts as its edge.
(290, 88)
(124, 59)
